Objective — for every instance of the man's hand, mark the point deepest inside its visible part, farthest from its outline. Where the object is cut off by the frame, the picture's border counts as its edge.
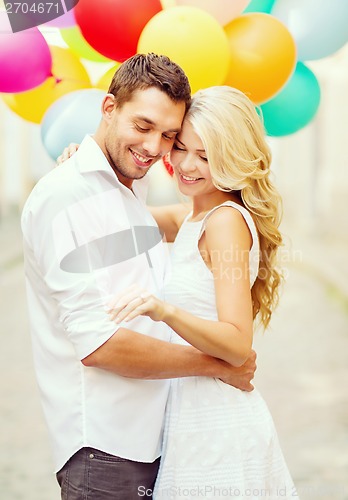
(241, 377)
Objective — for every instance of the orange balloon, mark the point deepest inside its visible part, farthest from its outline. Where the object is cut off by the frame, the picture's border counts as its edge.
(263, 55)
(69, 75)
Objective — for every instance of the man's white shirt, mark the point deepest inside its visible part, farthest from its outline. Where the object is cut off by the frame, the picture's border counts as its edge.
(86, 238)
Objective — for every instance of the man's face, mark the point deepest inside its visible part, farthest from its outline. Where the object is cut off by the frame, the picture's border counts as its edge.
(141, 132)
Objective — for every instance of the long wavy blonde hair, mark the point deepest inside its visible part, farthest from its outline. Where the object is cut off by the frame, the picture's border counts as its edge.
(239, 158)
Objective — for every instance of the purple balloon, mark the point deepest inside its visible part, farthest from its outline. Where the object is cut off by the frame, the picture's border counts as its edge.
(25, 58)
(65, 21)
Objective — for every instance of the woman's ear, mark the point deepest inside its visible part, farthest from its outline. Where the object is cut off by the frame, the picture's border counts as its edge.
(108, 106)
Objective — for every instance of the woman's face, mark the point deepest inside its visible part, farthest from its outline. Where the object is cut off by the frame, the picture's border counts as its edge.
(190, 163)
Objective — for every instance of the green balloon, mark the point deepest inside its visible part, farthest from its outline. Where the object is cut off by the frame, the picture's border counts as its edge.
(294, 106)
(77, 43)
(260, 6)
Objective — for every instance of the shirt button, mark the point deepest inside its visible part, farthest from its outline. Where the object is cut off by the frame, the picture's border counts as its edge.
(91, 455)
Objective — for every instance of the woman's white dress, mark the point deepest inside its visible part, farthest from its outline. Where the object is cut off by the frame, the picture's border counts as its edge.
(219, 442)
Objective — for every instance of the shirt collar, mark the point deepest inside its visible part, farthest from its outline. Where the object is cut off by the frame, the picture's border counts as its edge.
(90, 158)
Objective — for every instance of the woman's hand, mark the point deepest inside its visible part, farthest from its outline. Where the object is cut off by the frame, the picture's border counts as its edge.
(68, 152)
(133, 302)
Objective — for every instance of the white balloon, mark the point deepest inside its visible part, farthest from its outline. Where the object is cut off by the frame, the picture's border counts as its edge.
(319, 27)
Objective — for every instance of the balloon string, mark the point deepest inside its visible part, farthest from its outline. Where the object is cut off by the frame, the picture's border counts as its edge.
(71, 80)
(56, 79)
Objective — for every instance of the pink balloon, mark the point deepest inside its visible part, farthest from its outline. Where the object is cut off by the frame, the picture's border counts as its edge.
(25, 58)
(223, 10)
(65, 21)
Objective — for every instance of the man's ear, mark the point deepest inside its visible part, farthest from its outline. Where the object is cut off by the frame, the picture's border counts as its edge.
(108, 106)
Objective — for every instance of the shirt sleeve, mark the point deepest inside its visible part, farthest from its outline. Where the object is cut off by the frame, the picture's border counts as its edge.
(59, 231)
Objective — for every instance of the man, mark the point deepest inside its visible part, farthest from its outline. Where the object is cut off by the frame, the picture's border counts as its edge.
(88, 235)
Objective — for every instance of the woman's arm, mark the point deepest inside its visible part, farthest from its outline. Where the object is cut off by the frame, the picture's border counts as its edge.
(228, 241)
(169, 218)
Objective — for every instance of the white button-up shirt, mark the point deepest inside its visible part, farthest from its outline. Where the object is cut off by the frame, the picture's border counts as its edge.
(87, 237)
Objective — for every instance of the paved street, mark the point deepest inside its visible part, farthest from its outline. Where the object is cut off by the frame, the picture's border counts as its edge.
(302, 374)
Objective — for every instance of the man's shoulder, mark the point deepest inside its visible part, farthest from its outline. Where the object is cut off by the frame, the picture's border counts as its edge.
(59, 186)
(59, 176)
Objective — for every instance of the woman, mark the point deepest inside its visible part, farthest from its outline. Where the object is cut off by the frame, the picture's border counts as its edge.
(219, 442)
(218, 439)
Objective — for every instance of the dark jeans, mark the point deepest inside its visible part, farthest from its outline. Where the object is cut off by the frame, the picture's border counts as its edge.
(94, 475)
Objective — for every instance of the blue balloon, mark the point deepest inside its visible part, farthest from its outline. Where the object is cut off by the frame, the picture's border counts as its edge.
(70, 118)
(294, 106)
(319, 27)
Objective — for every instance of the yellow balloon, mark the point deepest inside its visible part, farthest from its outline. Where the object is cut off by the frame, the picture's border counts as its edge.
(69, 75)
(75, 41)
(193, 39)
(263, 55)
(166, 4)
(105, 80)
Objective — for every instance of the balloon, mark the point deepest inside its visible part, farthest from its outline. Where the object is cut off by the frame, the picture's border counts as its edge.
(113, 27)
(69, 75)
(193, 39)
(263, 55)
(75, 41)
(223, 11)
(166, 4)
(65, 21)
(295, 105)
(70, 118)
(260, 6)
(105, 80)
(25, 58)
(168, 166)
(319, 27)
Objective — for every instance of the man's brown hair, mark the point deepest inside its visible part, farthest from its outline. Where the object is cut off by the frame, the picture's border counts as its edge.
(143, 71)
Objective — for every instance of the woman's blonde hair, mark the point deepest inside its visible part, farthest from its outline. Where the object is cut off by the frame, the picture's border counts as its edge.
(239, 159)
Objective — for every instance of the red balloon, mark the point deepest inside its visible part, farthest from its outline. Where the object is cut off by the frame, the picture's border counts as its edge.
(113, 27)
(167, 164)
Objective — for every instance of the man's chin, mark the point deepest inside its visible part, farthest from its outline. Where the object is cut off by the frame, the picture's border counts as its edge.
(141, 175)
